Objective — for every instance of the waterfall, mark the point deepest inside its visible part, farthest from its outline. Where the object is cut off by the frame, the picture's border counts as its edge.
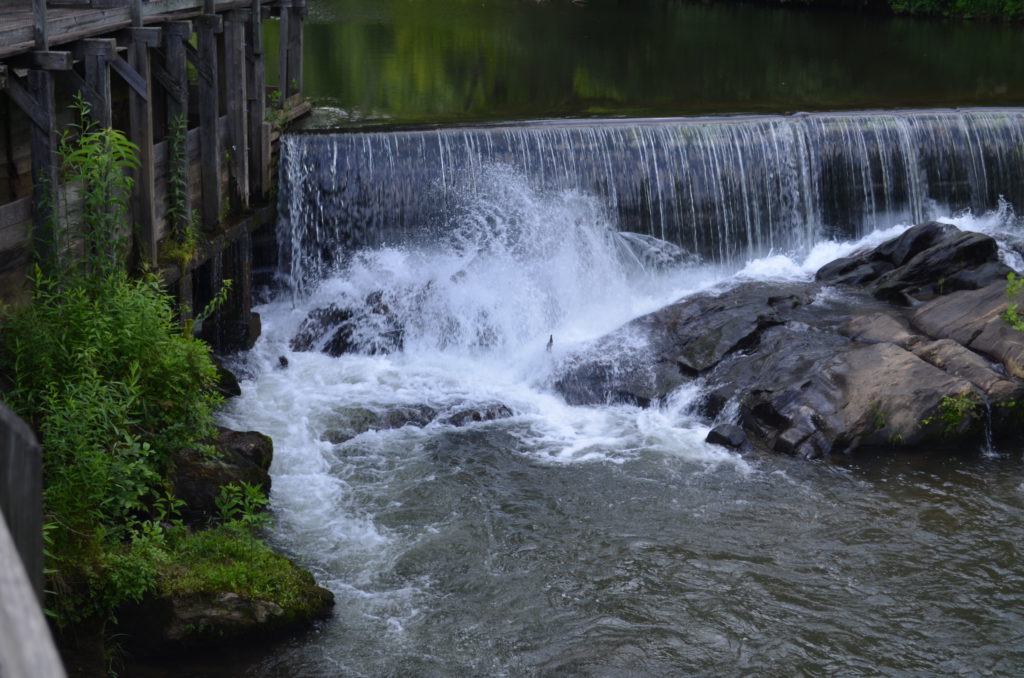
(726, 189)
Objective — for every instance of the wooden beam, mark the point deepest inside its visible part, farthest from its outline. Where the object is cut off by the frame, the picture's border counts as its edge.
(44, 166)
(97, 54)
(284, 30)
(259, 139)
(3, 76)
(237, 106)
(21, 96)
(131, 75)
(44, 60)
(140, 131)
(298, 12)
(176, 36)
(40, 25)
(207, 27)
(91, 94)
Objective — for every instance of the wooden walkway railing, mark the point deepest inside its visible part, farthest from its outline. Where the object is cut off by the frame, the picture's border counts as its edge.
(26, 646)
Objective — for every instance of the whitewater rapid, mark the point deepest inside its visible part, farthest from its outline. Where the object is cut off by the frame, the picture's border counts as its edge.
(478, 305)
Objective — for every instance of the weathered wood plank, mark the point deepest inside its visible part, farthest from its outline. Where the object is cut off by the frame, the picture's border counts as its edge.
(207, 27)
(141, 133)
(47, 60)
(294, 81)
(259, 151)
(27, 102)
(26, 646)
(44, 164)
(237, 106)
(176, 34)
(97, 55)
(131, 75)
(40, 25)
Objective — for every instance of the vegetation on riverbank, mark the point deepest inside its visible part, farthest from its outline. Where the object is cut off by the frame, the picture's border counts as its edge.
(964, 9)
(116, 388)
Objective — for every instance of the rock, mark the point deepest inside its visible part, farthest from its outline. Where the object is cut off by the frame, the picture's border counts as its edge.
(812, 375)
(227, 382)
(470, 415)
(196, 479)
(974, 319)
(352, 421)
(654, 354)
(727, 435)
(963, 259)
(165, 623)
(927, 260)
(370, 328)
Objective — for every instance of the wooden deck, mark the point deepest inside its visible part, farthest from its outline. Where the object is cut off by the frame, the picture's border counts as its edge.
(69, 20)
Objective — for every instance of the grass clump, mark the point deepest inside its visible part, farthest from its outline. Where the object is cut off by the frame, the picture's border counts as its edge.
(228, 558)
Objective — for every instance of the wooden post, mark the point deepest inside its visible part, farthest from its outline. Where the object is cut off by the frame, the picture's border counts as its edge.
(207, 28)
(44, 146)
(294, 81)
(285, 15)
(237, 107)
(140, 132)
(176, 34)
(40, 25)
(259, 137)
(97, 54)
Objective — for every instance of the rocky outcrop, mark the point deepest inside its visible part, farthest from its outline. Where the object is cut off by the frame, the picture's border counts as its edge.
(239, 456)
(898, 346)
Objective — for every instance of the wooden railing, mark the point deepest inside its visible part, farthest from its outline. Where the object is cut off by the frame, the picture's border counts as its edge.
(26, 646)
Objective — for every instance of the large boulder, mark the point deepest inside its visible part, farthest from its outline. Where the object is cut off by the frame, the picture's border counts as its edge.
(910, 353)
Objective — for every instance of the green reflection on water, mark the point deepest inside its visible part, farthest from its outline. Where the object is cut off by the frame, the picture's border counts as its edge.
(418, 61)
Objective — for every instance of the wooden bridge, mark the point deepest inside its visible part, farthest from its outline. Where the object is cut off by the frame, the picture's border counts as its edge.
(144, 67)
(141, 65)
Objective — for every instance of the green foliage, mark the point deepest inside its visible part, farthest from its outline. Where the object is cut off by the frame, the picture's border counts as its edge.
(229, 559)
(101, 368)
(243, 504)
(96, 160)
(955, 412)
(968, 9)
(182, 246)
(1014, 285)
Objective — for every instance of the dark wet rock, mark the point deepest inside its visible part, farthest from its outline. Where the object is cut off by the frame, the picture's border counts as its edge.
(811, 374)
(727, 435)
(470, 415)
(336, 330)
(166, 622)
(963, 259)
(227, 382)
(654, 354)
(239, 456)
(349, 422)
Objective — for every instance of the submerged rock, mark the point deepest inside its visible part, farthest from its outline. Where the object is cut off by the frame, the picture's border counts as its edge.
(348, 422)
(908, 353)
(468, 415)
(336, 330)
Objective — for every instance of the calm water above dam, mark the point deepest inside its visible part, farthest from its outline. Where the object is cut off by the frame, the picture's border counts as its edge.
(430, 61)
(613, 541)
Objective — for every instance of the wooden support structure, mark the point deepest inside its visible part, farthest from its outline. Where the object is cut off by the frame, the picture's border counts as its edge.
(236, 81)
(97, 53)
(141, 65)
(207, 28)
(140, 131)
(259, 128)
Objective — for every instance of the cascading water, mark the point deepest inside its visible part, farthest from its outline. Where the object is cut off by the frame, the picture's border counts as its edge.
(727, 189)
(471, 523)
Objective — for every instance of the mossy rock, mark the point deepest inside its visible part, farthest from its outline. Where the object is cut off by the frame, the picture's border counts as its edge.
(223, 586)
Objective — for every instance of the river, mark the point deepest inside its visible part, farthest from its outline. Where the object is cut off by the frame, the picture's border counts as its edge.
(612, 540)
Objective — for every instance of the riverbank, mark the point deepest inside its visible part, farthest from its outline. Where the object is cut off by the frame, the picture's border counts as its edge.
(1003, 10)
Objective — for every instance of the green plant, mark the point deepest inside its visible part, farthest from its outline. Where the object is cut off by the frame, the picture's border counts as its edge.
(955, 411)
(96, 161)
(244, 504)
(1011, 314)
